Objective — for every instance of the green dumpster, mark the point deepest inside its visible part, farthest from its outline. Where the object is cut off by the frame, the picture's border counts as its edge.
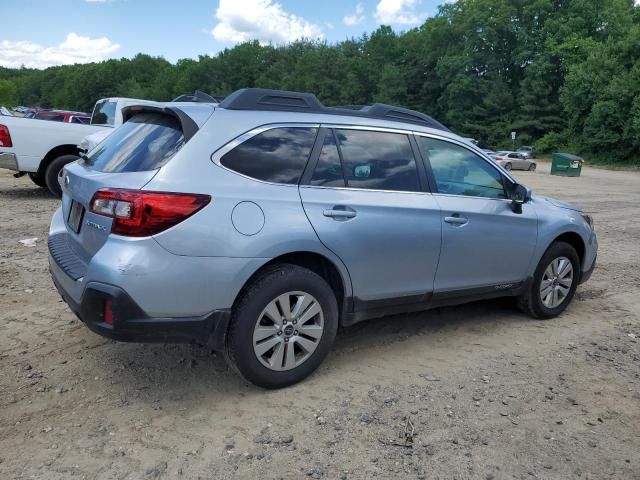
(566, 164)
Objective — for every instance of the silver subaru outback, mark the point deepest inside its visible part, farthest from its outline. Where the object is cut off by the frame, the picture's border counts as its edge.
(260, 225)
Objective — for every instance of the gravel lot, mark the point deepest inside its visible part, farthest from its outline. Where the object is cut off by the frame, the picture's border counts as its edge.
(491, 393)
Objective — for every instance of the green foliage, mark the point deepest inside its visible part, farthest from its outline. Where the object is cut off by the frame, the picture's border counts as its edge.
(551, 142)
(564, 74)
(8, 93)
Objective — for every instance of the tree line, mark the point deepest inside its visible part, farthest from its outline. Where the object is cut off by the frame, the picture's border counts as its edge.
(563, 74)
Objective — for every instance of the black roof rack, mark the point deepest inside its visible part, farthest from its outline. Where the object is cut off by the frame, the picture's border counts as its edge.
(199, 97)
(284, 101)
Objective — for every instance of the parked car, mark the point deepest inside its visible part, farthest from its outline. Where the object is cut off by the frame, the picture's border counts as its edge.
(40, 148)
(490, 153)
(259, 226)
(515, 161)
(528, 152)
(107, 112)
(64, 116)
(4, 111)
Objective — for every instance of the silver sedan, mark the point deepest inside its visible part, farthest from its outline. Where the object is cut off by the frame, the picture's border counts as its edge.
(515, 161)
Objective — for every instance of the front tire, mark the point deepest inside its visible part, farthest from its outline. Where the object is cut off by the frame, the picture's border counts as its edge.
(554, 282)
(53, 172)
(507, 166)
(283, 326)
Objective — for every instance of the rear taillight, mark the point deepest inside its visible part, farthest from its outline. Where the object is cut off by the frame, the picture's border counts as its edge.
(5, 137)
(137, 213)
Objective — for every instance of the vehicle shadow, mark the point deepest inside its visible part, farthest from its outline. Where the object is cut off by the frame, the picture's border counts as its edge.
(34, 192)
(176, 367)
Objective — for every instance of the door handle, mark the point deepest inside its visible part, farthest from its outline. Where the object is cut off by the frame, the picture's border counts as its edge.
(456, 220)
(338, 213)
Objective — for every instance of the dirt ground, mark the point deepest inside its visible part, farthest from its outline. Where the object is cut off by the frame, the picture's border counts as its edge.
(491, 393)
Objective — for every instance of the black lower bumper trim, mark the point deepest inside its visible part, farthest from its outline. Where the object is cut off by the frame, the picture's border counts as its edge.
(586, 275)
(131, 324)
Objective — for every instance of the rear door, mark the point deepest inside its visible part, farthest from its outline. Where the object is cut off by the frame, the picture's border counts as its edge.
(485, 245)
(367, 201)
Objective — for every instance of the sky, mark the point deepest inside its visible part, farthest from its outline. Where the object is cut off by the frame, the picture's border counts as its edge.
(42, 33)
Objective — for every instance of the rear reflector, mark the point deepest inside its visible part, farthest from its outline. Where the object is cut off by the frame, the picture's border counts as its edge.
(138, 213)
(5, 137)
(108, 313)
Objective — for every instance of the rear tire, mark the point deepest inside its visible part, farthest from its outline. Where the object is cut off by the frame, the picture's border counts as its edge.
(252, 314)
(53, 171)
(37, 179)
(532, 167)
(535, 301)
(507, 166)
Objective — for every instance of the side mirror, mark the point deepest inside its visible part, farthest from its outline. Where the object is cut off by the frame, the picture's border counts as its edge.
(519, 197)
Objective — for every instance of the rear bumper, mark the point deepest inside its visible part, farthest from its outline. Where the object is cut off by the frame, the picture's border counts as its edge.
(131, 324)
(9, 161)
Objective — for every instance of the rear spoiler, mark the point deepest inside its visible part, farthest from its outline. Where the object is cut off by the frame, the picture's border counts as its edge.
(188, 126)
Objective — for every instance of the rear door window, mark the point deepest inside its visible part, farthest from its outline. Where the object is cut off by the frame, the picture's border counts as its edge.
(104, 113)
(277, 155)
(378, 160)
(146, 142)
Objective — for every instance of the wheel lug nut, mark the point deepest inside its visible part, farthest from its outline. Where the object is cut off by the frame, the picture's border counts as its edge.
(295, 332)
(286, 340)
(295, 321)
(279, 332)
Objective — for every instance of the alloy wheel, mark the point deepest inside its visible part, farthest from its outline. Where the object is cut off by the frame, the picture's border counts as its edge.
(288, 331)
(556, 282)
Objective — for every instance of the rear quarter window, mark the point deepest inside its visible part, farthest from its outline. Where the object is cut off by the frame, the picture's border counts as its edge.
(146, 142)
(277, 155)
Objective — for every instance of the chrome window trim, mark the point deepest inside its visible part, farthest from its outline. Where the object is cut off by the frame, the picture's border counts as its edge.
(243, 137)
(472, 196)
(352, 189)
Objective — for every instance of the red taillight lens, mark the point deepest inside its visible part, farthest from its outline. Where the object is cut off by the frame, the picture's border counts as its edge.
(108, 313)
(137, 213)
(5, 137)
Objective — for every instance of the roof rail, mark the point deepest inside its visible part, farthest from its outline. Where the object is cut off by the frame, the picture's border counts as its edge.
(280, 100)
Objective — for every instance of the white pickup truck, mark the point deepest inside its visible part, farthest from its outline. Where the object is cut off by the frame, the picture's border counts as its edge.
(41, 148)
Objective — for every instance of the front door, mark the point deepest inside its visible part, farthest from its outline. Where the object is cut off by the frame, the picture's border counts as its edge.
(484, 243)
(365, 200)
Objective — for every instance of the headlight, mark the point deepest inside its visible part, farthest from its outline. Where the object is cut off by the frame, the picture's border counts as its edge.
(588, 219)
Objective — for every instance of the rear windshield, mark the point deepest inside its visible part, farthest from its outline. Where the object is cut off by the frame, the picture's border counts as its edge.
(104, 113)
(146, 142)
(54, 117)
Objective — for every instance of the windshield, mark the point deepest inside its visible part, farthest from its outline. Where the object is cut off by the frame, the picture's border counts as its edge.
(104, 113)
(146, 142)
